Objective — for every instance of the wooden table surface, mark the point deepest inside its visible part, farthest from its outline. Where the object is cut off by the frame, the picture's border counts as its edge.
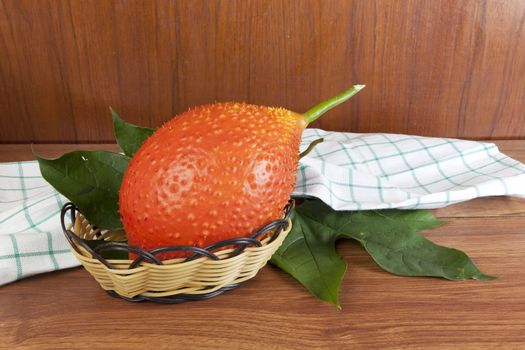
(67, 309)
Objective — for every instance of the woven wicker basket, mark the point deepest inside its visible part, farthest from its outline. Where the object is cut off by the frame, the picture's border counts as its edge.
(207, 273)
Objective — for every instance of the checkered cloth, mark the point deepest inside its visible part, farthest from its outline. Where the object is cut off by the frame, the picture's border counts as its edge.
(347, 171)
(31, 239)
(378, 171)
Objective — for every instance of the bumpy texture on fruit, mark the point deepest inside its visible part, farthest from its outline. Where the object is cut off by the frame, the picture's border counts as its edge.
(215, 172)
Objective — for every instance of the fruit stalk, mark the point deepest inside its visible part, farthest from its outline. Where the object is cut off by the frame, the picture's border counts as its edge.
(323, 107)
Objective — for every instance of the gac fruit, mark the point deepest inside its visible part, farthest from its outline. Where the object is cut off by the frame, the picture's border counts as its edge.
(215, 172)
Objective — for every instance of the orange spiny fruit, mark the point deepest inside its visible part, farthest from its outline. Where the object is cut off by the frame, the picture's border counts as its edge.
(215, 172)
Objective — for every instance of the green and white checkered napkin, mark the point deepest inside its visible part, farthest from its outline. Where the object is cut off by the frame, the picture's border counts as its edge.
(347, 171)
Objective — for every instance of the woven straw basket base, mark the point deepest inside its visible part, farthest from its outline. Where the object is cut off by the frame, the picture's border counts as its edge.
(200, 276)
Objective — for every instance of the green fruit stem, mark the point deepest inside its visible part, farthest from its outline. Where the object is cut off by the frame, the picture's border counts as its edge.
(323, 107)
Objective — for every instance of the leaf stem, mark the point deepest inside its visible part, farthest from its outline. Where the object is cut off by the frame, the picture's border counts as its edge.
(310, 147)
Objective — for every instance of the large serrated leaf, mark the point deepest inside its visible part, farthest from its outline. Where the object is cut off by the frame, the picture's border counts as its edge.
(129, 136)
(311, 259)
(391, 237)
(91, 180)
(397, 247)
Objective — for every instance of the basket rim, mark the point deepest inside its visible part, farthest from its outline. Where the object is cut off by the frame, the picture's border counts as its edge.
(147, 257)
(167, 264)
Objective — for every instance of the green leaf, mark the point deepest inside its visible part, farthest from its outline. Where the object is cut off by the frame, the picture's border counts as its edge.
(391, 237)
(397, 247)
(108, 254)
(129, 136)
(91, 180)
(310, 257)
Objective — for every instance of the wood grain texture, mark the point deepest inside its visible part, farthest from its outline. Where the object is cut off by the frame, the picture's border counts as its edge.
(441, 68)
(68, 309)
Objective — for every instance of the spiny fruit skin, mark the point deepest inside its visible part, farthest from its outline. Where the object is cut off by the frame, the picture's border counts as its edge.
(212, 173)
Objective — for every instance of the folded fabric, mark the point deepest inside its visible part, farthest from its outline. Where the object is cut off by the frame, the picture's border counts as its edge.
(377, 171)
(347, 171)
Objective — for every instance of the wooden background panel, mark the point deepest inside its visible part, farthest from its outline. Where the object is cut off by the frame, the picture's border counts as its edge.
(442, 68)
